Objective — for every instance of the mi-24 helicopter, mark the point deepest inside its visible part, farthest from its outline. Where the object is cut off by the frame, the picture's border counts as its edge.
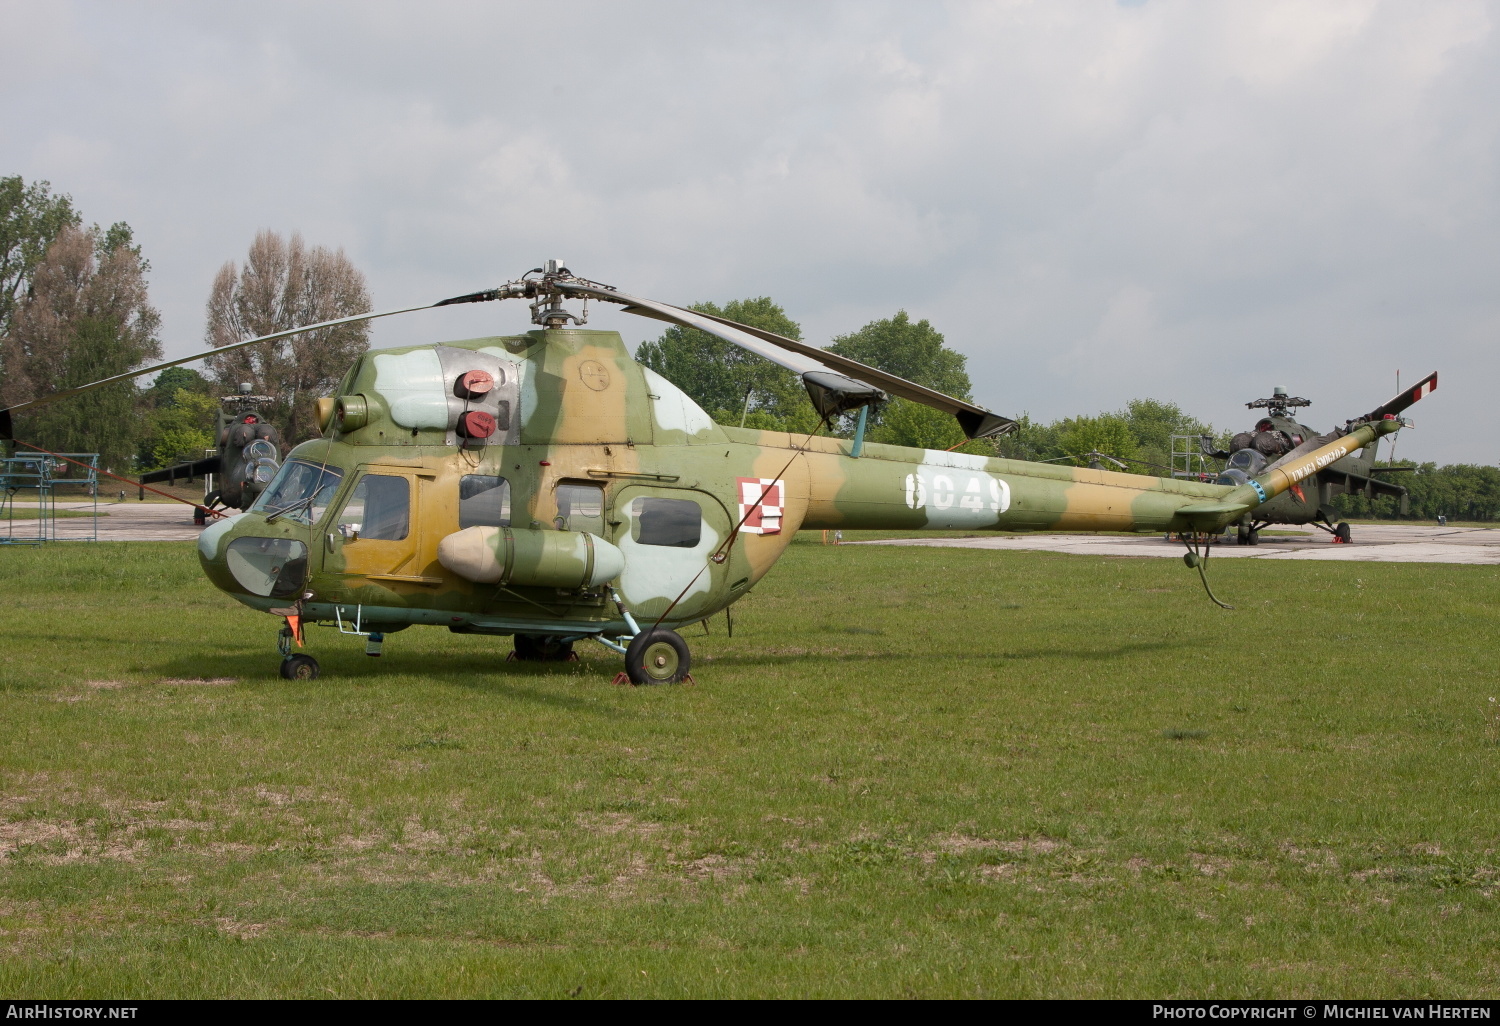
(546, 486)
(245, 460)
(1278, 440)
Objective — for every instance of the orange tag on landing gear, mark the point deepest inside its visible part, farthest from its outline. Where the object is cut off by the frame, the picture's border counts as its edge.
(295, 623)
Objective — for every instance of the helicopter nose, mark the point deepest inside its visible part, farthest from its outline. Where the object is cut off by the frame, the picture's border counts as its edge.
(264, 567)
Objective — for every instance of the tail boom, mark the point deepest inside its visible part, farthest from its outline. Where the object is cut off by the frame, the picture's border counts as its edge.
(897, 488)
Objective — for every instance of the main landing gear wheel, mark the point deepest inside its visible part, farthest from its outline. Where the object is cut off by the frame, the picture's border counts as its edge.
(657, 657)
(1341, 532)
(543, 648)
(1242, 535)
(299, 667)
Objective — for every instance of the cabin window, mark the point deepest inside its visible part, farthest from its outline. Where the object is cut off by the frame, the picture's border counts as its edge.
(674, 522)
(379, 509)
(307, 487)
(580, 507)
(483, 501)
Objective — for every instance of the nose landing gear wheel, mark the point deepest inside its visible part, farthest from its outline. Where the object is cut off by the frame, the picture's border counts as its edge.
(657, 657)
(299, 667)
(1341, 533)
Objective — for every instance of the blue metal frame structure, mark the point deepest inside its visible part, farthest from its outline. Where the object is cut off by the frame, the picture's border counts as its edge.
(40, 474)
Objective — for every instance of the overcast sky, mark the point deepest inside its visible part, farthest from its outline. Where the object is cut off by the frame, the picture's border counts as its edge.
(1093, 201)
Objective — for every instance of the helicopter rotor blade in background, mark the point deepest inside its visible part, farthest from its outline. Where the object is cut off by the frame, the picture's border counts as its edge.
(5, 414)
(1405, 399)
(188, 471)
(835, 383)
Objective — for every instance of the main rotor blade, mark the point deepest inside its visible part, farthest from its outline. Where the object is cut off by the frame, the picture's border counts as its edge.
(805, 360)
(976, 421)
(69, 392)
(1405, 399)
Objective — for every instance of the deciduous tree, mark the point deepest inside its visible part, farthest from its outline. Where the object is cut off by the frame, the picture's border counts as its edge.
(915, 352)
(163, 390)
(180, 424)
(282, 285)
(1107, 433)
(30, 220)
(87, 316)
(728, 382)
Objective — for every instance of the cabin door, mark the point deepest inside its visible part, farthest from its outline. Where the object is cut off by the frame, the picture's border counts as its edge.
(375, 534)
(668, 535)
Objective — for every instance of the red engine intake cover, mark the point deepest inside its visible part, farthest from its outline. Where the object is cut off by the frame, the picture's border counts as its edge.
(475, 383)
(476, 423)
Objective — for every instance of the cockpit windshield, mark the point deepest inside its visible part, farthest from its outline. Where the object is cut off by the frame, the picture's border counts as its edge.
(302, 490)
(1248, 460)
(260, 449)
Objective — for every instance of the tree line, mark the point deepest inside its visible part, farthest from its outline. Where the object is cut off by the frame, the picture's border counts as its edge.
(1459, 491)
(75, 308)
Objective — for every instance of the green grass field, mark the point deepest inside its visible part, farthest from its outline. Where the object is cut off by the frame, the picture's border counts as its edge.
(910, 772)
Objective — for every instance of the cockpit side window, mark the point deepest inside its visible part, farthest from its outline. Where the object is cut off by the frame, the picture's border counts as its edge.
(483, 501)
(296, 483)
(379, 509)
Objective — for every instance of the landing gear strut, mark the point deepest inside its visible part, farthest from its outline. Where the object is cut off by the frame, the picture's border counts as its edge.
(294, 667)
(652, 656)
(1340, 531)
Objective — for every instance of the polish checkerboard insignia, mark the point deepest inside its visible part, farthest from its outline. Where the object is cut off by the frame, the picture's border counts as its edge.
(761, 501)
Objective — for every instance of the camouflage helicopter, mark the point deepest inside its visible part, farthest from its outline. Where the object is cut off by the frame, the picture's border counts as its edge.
(545, 486)
(1279, 439)
(247, 458)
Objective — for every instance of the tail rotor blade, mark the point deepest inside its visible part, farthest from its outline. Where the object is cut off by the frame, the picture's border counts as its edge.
(1405, 399)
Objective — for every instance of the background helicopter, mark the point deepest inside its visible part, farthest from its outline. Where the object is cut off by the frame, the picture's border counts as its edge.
(1278, 438)
(548, 487)
(247, 457)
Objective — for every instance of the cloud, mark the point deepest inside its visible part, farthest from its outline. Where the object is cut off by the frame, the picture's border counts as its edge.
(1188, 201)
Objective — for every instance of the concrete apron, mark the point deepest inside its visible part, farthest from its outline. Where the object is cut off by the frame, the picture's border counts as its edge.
(127, 521)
